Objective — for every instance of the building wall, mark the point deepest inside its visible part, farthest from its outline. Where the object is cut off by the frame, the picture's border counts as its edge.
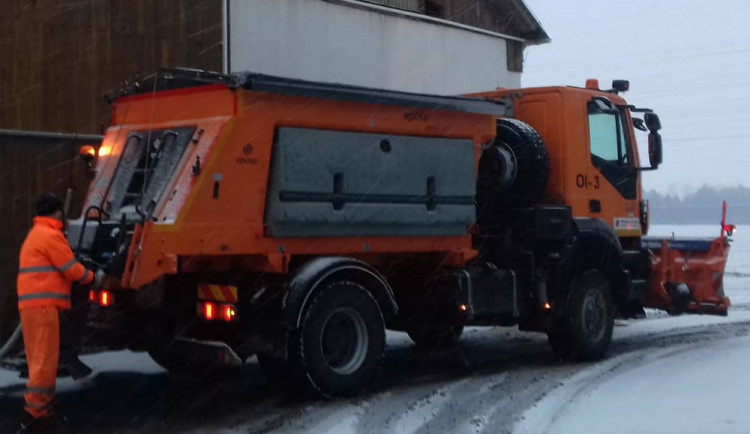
(334, 42)
(61, 56)
(65, 54)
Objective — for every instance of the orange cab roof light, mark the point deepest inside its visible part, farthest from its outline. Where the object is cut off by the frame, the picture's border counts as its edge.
(592, 83)
(87, 152)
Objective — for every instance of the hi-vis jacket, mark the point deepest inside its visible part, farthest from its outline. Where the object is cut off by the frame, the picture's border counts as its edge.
(47, 267)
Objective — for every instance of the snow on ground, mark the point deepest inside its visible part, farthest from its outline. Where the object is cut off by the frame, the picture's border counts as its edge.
(664, 374)
(683, 389)
(488, 400)
(510, 372)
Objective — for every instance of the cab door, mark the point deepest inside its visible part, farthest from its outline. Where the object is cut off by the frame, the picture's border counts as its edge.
(612, 180)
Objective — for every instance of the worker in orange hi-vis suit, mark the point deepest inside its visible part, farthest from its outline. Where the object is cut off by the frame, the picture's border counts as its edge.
(46, 272)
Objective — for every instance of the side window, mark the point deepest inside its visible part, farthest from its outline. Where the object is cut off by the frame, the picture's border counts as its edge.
(609, 148)
(606, 136)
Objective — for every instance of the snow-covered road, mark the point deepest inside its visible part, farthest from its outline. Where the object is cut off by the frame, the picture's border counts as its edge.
(678, 389)
(663, 374)
(497, 378)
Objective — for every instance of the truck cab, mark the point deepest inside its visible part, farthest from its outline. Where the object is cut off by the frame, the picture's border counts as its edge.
(594, 166)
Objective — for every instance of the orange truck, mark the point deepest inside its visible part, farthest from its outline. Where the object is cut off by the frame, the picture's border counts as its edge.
(241, 215)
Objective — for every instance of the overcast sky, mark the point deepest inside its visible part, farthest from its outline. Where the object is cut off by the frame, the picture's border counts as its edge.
(686, 59)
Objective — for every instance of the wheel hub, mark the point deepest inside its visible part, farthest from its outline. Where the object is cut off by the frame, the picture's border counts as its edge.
(594, 315)
(344, 341)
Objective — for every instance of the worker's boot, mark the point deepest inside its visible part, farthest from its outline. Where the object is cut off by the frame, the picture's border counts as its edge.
(51, 423)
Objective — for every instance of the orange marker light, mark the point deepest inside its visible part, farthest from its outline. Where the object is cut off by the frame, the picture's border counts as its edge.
(92, 295)
(463, 307)
(547, 306)
(87, 152)
(104, 151)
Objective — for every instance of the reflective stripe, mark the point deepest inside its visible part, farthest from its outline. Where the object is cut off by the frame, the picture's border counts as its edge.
(40, 390)
(66, 266)
(38, 406)
(40, 269)
(48, 268)
(41, 295)
(85, 276)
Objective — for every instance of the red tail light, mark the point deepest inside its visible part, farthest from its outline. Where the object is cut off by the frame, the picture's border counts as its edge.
(211, 311)
(229, 313)
(105, 298)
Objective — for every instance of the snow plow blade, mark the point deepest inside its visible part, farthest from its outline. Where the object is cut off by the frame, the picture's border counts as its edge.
(687, 275)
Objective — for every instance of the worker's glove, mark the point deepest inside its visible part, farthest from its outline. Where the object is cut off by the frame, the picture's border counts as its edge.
(98, 279)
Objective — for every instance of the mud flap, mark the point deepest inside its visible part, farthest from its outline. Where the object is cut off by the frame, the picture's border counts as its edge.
(205, 353)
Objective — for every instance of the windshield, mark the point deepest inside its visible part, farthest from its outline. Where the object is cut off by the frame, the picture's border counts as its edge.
(148, 161)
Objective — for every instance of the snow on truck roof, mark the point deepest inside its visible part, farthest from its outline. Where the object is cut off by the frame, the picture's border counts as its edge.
(170, 79)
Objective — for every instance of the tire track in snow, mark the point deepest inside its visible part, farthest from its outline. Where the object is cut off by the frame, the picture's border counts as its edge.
(420, 412)
(540, 418)
(341, 419)
(464, 412)
(404, 411)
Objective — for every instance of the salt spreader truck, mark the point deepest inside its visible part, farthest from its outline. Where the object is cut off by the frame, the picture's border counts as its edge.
(240, 215)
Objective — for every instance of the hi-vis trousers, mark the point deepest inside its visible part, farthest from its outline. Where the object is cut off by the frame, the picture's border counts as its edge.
(41, 337)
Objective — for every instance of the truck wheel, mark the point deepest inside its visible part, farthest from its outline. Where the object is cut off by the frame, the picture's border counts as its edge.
(679, 294)
(585, 331)
(431, 336)
(515, 170)
(339, 346)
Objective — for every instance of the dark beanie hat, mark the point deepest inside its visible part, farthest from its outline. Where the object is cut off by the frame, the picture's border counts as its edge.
(47, 205)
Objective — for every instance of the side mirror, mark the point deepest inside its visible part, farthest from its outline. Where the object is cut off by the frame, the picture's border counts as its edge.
(604, 105)
(652, 121)
(654, 149)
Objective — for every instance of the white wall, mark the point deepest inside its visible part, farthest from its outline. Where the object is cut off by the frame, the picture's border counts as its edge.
(326, 41)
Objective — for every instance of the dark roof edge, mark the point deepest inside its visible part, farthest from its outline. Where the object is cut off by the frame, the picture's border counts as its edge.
(342, 92)
(539, 35)
(47, 135)
(167, 79)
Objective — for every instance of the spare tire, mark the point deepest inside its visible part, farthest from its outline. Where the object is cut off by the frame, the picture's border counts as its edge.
(514, 171)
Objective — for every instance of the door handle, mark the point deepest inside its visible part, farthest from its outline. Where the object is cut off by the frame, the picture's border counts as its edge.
(595, 205)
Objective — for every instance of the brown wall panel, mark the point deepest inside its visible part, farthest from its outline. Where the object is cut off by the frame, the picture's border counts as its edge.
(61, 56)
(28, 169)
